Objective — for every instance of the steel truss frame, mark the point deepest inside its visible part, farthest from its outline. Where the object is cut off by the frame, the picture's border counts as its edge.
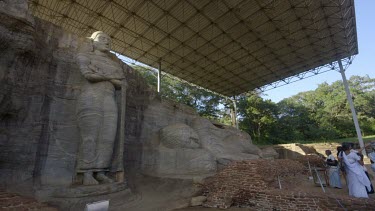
(229, 47)
(313, 72)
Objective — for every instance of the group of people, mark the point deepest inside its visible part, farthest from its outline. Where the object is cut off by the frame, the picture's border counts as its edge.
(350, 165)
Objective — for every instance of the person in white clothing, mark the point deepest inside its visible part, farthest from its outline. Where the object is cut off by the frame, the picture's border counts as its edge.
(369, 191)
(371, 155)
(356, 177)
(333, 170)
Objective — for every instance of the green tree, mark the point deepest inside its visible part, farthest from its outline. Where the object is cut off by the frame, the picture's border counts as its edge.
(323, 113)
(257, 117)
(206, 103)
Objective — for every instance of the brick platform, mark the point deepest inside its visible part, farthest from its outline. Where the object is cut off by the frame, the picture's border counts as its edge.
(11, 201)
(249, 184)
(314, 160)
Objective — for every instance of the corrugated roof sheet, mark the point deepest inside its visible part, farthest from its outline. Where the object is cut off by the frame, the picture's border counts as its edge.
(227, 46)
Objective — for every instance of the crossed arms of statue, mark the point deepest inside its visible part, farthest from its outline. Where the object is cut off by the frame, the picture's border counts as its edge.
(92, 74)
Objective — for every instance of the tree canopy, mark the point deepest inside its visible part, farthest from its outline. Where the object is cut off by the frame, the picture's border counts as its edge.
(206, 103)
(320, 114)
(313, 115)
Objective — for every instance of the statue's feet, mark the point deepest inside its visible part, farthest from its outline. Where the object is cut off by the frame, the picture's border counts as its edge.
(101, 177)
(88, 179)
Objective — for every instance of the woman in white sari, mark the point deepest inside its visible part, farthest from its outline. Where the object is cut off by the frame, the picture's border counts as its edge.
(333, 170)
(371, 155)
(356, 177)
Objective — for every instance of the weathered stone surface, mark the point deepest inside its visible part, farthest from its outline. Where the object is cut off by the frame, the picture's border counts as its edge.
(39, 85)
(179, 135)
(198, 180)
(179, 154)
(98, 113)
(178, 163)
(225, 143)
(23, 107)
(117, 199)
(269, 153)
(161, 113)
(197, 201)
(17, 9)
(170, 146)
(169, 154)
(40, 82)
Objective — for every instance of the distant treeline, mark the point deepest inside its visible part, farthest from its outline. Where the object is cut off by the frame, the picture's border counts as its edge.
(322, 114)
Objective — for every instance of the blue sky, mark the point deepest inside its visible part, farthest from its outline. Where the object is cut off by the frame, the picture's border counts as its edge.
(362, 65)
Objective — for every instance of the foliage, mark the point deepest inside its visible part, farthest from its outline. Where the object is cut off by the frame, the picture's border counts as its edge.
(257, 116)
(206, 103)
(322, 114)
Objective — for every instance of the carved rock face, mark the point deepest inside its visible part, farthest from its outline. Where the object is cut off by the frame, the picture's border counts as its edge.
(236, 143)
(102, 41)
(179, 136)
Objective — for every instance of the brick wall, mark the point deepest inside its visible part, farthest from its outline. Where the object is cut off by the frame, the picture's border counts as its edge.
(314, 160)
(249, 184)
(288, 200)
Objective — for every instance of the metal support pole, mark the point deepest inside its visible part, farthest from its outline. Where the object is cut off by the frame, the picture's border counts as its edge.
(235, 112)
(159, 77)
(320, 181)
(350, 100)
(308, 163)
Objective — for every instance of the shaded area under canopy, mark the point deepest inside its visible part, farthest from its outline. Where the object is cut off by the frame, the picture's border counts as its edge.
(229, 46)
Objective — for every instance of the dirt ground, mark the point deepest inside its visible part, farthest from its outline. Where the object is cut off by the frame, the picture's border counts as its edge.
(215, 209)
(11, 201)
(158, 194)
(168, 194)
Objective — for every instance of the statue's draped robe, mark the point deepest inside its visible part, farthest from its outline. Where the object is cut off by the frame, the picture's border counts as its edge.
(97, 112)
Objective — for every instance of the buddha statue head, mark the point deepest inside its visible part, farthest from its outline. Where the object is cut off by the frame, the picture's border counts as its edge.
(101, 41)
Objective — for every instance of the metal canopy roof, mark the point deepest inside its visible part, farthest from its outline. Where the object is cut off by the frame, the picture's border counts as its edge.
(227, 46)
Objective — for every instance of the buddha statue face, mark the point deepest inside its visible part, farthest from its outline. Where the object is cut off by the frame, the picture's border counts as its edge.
(102, 42)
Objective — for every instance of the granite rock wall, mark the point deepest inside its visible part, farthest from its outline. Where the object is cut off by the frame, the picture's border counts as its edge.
(39, 137)
(24, 94)
(39, 84)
